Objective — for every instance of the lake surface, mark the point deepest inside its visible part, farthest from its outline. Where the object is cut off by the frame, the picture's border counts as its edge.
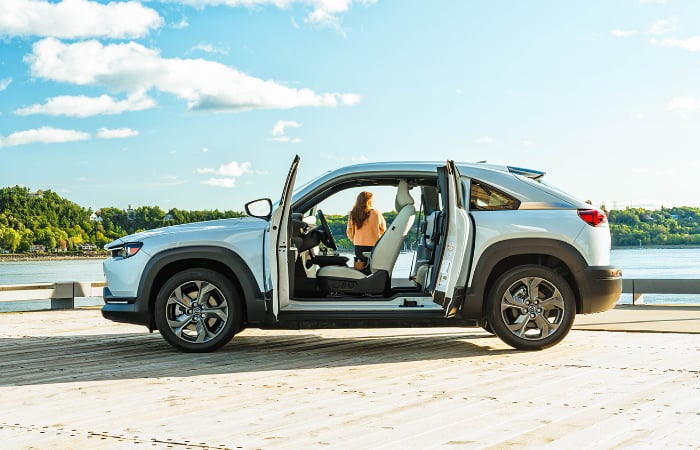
(635, 263)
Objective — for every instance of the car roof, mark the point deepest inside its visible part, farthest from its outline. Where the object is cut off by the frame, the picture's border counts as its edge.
(509, 179)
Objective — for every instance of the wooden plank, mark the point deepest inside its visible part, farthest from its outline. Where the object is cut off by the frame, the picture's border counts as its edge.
(70, 379)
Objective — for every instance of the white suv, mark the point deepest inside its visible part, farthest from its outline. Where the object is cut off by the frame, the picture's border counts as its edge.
(495, 248)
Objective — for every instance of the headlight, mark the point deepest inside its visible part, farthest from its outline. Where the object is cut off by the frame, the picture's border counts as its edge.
(126, 250)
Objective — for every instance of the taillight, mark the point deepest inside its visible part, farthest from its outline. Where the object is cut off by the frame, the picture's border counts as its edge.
(592, 217)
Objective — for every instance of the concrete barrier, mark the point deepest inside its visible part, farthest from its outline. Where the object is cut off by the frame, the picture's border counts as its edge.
(640, 286)
(62, 294)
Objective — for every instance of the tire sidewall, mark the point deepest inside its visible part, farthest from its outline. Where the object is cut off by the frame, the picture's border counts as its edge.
(493, 306)
(231, 297)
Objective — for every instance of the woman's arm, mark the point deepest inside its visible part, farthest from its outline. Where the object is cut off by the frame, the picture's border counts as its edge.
(382, 223)
(350, 230)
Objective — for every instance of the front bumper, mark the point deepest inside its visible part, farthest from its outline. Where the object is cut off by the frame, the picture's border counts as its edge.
(125, 309)
(600, 288)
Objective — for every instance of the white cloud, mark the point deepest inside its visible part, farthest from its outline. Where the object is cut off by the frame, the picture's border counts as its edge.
(322, 13)
(167, 181)
(204, 85)
(278, 131)
(281, 125)
(209, 48)
(663, 26)
(43, 135)
(623, 33)
(205, 150)
(288, 139)
(220, 182)
(350, 99)
(683, 104)
(116, 133)
(83, 106)
(4, 83)
(232, 169)
(485, 140)
(72, 19)
(691, 44)
(183, 23)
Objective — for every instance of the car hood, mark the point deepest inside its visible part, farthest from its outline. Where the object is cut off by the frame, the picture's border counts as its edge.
(196, 230)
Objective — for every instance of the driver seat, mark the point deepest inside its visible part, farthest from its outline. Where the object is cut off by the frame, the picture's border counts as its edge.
(347, 280)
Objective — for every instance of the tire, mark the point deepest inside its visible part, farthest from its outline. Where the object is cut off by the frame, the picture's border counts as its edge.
(531, 307)
(486, 326)
(198, 310)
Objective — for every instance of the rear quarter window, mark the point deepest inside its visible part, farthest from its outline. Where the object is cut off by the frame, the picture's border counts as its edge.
(483, 197)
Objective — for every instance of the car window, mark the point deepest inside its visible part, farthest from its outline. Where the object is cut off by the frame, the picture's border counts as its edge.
(342, 202)
(487, 198)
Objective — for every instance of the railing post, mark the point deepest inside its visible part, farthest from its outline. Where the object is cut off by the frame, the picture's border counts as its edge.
(63, 296)
(637, 297)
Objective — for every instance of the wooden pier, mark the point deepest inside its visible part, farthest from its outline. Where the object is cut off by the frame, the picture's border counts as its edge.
(623, 379)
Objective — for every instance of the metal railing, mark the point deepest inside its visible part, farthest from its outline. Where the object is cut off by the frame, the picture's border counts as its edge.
(63, 295)
(640, 286)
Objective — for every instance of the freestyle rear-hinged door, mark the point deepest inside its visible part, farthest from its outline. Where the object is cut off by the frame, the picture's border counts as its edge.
(279, 243)
(456, 232)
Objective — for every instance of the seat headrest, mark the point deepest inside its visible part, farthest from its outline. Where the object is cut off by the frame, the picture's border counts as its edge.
(403, 197)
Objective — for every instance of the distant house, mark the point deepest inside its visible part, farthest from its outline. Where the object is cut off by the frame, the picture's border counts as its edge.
(37, 248)
(86, 247)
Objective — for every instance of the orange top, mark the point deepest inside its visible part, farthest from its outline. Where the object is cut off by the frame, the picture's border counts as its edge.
(371, 230)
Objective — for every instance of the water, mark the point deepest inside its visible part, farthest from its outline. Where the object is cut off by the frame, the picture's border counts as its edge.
(52, 271)
(659, 263)
(635, 263)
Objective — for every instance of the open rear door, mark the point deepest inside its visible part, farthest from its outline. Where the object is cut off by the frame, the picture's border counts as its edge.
(456, 237)
(279, 243)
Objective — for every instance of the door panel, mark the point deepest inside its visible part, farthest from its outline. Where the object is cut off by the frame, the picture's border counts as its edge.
(279, 243)
(457, 232)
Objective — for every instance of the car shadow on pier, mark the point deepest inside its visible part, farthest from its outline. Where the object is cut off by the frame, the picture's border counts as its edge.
(80, 358)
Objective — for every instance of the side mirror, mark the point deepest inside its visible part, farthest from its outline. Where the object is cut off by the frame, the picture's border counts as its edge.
(261, 208)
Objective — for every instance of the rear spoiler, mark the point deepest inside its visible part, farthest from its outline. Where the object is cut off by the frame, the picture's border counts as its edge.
(529, 173)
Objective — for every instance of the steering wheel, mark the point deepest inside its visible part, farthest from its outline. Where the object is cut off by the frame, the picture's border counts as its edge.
(326, 235)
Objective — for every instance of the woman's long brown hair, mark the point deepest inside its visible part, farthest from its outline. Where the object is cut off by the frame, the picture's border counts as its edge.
(360, 212)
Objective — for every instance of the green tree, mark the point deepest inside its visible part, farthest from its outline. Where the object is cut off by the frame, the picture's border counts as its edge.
(9, 239)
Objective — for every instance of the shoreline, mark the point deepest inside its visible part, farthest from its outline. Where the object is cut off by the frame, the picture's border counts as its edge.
(655, 247)
(48, 257)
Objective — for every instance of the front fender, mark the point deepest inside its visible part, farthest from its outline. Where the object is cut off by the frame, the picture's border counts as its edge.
(168, 262)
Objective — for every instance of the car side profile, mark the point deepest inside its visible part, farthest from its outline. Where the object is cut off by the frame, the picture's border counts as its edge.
(495, 248)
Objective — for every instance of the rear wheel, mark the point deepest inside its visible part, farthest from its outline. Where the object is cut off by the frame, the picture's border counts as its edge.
(531, 307)
(198, 310)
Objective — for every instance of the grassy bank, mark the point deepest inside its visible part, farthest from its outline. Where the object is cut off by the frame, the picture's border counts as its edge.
(16, 257)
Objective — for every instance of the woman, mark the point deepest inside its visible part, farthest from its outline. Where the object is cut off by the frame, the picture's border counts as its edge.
(365, 226)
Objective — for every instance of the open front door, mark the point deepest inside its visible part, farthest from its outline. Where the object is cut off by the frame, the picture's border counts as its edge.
(456, 237)
(279, 243)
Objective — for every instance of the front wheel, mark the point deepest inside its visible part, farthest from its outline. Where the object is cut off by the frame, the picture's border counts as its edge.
(531, 307)
(198, 310)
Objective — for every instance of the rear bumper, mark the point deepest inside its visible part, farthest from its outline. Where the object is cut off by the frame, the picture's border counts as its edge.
(124, 309)
(600, 288)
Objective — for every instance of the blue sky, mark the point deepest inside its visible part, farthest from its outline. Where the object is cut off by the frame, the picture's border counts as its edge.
(201, 104)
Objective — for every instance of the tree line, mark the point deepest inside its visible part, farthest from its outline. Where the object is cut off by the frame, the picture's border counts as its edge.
(44, 218)
(665, 226)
